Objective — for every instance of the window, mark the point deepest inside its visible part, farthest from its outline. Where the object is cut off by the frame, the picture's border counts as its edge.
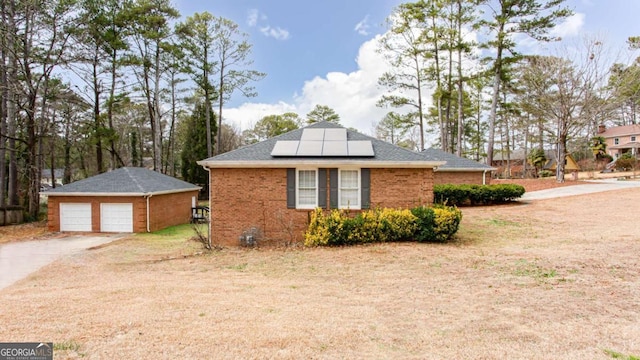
(349, 189)
(307, 189)
(616, 141)
(633, 139)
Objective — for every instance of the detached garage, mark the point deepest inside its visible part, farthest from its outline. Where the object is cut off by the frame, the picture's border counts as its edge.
(125, 200)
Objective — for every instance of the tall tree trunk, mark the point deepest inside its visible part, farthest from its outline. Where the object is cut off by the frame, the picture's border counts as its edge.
(220, 103)
(460, 84)
(4, 96)
(12, 81)
(157, 146)
(497, 79)
(97, 121)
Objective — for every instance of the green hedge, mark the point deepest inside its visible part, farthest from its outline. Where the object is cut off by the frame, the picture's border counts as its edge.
(432, 224)
(457, 195)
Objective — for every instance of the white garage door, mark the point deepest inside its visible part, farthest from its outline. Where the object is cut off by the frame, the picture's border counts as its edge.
(116, 218)
(75, 217)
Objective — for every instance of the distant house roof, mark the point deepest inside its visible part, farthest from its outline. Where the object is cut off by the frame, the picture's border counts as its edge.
(126, 181)
(59, 173)
(518, 155)
(571, 163)
(385, 155)
(621, 131)
(454, 163)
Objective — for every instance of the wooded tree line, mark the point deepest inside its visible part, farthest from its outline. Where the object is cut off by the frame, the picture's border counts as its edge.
(92, 85)
(489, 98)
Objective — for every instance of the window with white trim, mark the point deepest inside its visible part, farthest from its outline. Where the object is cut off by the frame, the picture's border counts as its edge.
(307, 189)
(616, 141)
(349, 188)
(633, 139)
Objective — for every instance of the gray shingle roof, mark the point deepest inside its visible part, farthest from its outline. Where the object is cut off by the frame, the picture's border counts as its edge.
(453, 161)
(261, 152)
(126, 180)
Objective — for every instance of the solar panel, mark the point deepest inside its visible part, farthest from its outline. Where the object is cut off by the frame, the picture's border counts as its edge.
(312, 134)
(285, 148)
(310, 148)
(335, 134)
(360, 148)
(334, 148)
(323, 142)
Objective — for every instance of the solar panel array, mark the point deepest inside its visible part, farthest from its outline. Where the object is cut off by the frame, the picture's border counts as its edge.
(323, 142)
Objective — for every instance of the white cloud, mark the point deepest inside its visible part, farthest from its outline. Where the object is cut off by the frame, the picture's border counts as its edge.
(252, 17)
(276, 33)
(363, 26)
(571, 26)
(352, 95)
(247, 115)
(255, 16)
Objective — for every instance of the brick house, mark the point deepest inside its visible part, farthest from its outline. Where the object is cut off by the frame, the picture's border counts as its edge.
(272, 186)
(458, 170)
(621, 139)
(129, 199)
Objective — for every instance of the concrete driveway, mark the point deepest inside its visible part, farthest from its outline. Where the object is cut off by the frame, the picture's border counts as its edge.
(19, 259)
(596, 186)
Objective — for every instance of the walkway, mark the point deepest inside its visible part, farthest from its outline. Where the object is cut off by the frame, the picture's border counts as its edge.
(596, 186)
(19, 259)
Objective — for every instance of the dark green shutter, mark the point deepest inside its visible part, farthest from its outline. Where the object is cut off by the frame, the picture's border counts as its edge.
(322, 188)
(291, 188)
(365, 188)
(333, 188)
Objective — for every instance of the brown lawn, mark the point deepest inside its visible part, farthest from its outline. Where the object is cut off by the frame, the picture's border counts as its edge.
(552, 279)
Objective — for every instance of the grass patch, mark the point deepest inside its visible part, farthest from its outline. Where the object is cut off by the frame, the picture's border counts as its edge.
(238, 267)
(531, 269)
(502, 223)
(617, 355)
(69, 345)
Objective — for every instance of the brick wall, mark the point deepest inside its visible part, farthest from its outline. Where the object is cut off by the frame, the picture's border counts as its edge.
(244, 198)
(241, 199)
(460, 177)
(403, 188)
(170, 209)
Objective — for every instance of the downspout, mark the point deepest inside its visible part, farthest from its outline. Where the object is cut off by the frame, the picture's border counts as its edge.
(484, 177)
(148, 213)
(210, 208)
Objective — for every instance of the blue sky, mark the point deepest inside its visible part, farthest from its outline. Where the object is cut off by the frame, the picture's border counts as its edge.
(323, 52)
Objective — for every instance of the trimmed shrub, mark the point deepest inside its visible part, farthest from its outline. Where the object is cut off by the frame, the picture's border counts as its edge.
(446, 222)
(464, 194)
(425, 220)
(382, 225)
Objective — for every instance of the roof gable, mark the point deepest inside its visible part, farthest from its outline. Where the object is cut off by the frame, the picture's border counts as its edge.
(626, 130)
(126, 180)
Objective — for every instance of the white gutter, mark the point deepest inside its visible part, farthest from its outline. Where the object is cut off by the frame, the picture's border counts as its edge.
(148, 216)
(117, 193)
(318, 163)
(464, 169)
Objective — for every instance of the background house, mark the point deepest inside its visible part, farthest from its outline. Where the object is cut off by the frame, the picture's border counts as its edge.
(271, 187)
(128, 199)
(621, 139)
(48, 177)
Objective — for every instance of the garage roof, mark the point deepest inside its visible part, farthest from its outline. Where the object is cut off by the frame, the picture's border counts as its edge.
(126, 181)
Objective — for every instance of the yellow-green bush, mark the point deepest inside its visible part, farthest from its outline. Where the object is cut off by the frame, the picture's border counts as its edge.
(447, 220)
(382, 225)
